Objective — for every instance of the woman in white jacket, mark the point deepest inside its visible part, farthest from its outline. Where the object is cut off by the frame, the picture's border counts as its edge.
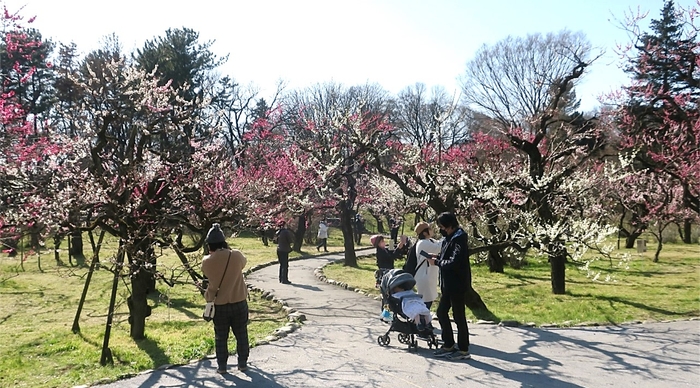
(322, 236)
(426, 275)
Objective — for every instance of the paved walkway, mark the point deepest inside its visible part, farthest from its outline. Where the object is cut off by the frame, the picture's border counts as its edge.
(337, 347)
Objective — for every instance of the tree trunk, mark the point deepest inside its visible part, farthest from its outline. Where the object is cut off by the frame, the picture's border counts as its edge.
(631, 238)
(557, 261)
(35, 239)
(76, 243)
(138, 304)
(299, 233)
(346, 219)
(57, 244)
(142, 267)
(496, 261)
(659, 246)
(380, 224)
(687, 232)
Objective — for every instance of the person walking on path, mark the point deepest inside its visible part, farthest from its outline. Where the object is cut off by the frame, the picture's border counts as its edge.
(359, 228)
(322, 236)
(284, 239)
(455, 281)
(223, 267)
(426, 275)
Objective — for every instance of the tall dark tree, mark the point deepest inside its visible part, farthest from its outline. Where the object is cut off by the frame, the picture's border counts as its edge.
(659, 120)
(34, 90)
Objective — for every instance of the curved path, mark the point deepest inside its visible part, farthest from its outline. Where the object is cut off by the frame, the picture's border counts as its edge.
(337, 347)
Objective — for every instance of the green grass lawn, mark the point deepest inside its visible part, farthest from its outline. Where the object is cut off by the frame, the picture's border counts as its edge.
(669, 289)
(37, 307)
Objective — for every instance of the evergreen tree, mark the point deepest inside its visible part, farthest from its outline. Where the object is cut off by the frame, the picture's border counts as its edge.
(659, 121)
(179, 58)
(665, 58)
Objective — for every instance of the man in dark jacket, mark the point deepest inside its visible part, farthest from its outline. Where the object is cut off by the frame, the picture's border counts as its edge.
(455, 280)
(284, 239)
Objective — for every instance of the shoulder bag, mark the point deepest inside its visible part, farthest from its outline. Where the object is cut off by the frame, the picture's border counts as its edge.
(209, 308)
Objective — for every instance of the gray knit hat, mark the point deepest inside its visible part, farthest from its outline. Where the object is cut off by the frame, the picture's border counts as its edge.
(215, 235)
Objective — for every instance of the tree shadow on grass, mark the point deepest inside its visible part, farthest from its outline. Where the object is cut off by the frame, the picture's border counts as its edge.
(638, 305)
(184, 306)
(155, 353)
(486, 315)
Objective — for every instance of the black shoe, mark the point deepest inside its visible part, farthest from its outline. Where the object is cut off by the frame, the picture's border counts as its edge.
(286, 282)
(243, 366)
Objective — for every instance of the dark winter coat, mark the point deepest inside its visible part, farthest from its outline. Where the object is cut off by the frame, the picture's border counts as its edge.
(386, 257)
(285, 240)
(455, 270)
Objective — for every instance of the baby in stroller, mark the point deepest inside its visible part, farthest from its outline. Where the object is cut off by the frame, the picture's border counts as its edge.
(411, 316)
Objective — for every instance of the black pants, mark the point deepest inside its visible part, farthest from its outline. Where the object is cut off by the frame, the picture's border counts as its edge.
(231, 317)
(283, 258)
(395, 235)
(454, 301)
(322, 243)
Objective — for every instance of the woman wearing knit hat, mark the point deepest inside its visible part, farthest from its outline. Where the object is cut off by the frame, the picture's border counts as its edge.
(223, 267)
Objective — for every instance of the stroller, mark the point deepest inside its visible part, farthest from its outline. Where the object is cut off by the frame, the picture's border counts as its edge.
(408, 331)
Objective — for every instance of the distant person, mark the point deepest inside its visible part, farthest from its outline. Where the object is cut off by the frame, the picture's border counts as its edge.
(223, 267)
(359, 227)
(322, 236)
(426, 275)
(455, 281)
(394, 230)
(285, 240)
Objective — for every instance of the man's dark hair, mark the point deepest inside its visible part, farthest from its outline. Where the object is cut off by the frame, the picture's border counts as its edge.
(448, 220)
(216, 246)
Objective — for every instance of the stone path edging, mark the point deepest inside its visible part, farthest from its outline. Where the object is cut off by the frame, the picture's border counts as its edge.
(295, 318)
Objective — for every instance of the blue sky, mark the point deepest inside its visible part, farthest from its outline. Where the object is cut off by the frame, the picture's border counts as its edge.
(395, 43)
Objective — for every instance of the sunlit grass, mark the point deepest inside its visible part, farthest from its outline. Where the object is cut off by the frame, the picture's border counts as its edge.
(38, 349)
(669, 289)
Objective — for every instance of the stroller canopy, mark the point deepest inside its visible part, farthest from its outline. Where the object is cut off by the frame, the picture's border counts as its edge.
(395, 278)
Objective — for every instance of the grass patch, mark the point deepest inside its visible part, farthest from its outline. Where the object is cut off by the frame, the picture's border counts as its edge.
(669, 289)
(37, 308)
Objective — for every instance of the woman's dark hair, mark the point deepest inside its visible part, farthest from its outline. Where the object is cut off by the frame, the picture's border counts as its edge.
(448, 220)
(216, 246)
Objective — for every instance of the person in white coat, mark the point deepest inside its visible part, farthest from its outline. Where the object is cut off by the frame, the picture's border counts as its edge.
(426, 275)
(322, 236)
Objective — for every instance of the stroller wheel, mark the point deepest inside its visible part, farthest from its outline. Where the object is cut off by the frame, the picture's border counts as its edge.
(383, 340)
(404, 338)
(435, 342)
